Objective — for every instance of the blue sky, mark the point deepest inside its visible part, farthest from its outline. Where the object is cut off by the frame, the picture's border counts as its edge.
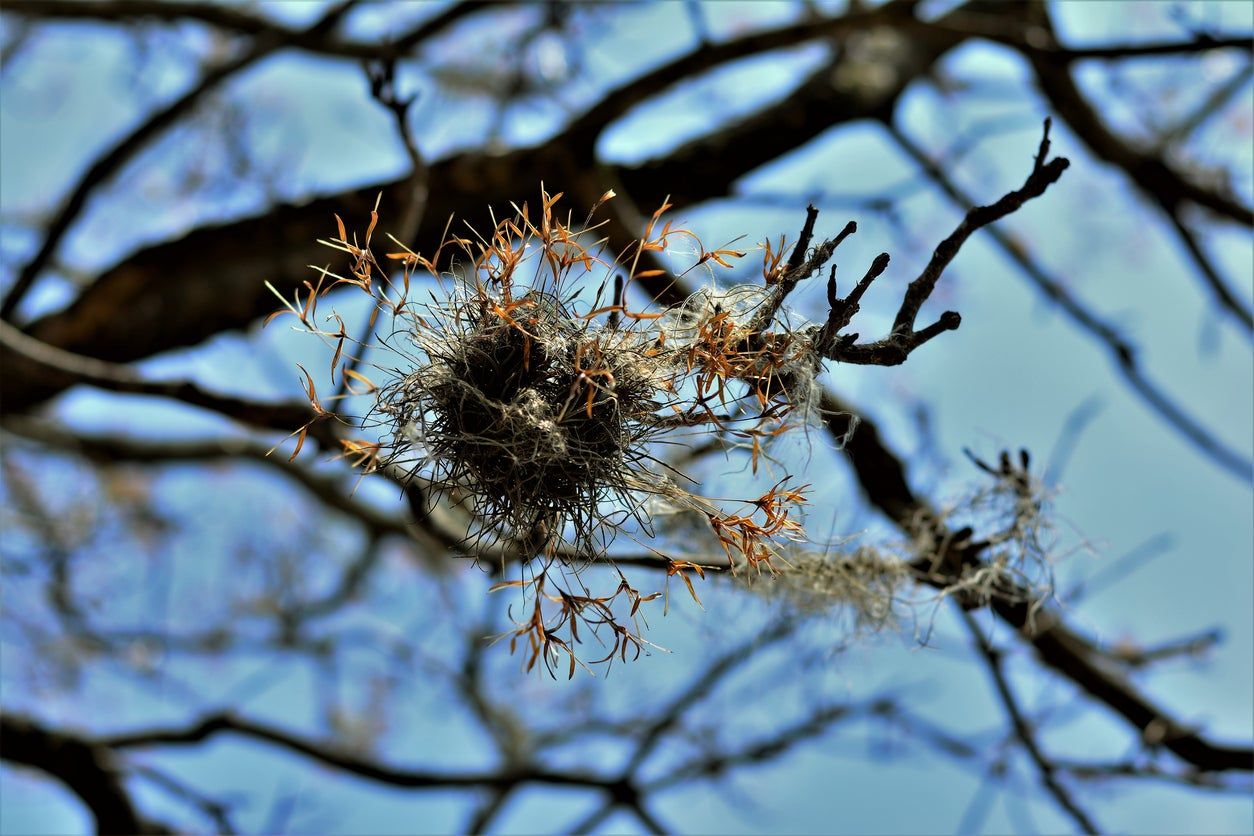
(1012, 376)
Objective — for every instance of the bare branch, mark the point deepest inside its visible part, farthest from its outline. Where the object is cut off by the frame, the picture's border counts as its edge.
(85, 767)
(1163, 184)
(327, 754)
(1119, 52)
(327, 489)
(1226, 299)
(1123, 352)
(895, 348)
(233, 20)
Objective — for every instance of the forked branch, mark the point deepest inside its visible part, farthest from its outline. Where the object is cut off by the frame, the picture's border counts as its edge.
(893, 349)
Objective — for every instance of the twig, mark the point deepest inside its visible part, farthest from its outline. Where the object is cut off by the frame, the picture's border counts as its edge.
(1089, 770)
(232, 19)
(1224, 296)
(1044, 174)
(382, 78)
(1157, 179)
(1212, 104)
(1119, 52)
(904, 338)
(215, 811)
(802, 264)
(328, 755)
(327, 489)
(1140, 657)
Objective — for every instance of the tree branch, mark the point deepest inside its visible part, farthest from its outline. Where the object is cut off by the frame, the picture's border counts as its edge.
(895, 348)
(1123, 353)
(327, 755)
(1155, 178)
(123, 379)
(85, 767)
(233, 20)
(227, 291)
(1044, 174)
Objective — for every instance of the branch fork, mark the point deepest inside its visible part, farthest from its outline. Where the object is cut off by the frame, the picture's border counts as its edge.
(828, 341)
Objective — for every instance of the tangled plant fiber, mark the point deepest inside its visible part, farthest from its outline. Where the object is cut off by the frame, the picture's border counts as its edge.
(538, 405)
(528, 393)
(520, 387)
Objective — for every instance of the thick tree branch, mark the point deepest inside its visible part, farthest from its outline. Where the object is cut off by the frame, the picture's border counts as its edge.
(85, 767)
(585, 129)
(227, 291)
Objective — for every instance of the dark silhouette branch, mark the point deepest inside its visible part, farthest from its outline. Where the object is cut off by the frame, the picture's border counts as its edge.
(234, 20)
(1119, 52)
(1224, 297)
(1024, 35)
(227, 291)
(895, 348)
(328, 755)
(15, 345)
(1045, 173)
(85, 767)
(1159, 181)
(329, 489)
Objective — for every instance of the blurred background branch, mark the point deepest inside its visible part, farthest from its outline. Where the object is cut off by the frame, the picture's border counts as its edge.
(174, 583)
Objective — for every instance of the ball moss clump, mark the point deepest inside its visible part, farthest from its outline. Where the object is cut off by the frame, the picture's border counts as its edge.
(538, 417)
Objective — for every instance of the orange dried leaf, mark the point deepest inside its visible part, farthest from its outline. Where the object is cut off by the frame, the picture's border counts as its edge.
(358, 376)
(300, 442)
